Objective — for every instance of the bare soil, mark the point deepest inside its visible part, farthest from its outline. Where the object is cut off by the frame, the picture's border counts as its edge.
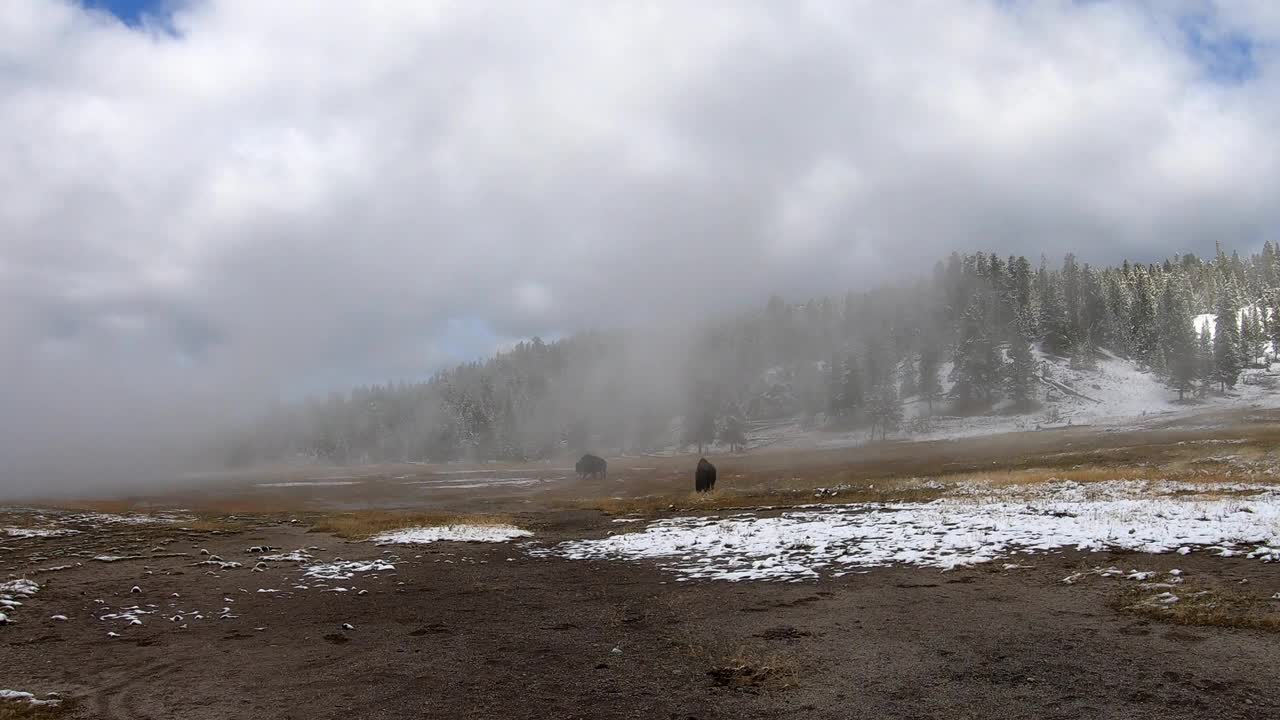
(485, 631)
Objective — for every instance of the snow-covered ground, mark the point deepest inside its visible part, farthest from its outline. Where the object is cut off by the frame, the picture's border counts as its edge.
(439, 484)
(23, 532)
(452, 533)
(1115, 394)
(12, 593)
(346, 569)
(45, 524)
(28, 698)
(976, 527)
(308, 483)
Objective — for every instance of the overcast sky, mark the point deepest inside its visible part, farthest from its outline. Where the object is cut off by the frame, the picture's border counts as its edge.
(204, 203)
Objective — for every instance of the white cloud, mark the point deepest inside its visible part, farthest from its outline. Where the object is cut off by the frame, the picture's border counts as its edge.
(286, 191)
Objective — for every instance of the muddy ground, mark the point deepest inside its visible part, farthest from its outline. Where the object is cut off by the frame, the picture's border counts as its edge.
(486, 631)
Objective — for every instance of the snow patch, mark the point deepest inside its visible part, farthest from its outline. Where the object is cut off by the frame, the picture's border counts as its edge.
(295, 556)
(451, 533)
(29, 698)
(345, 569)
(19, 588)
(472, 483)
(308, 483)
(943, 534)
(38, 532)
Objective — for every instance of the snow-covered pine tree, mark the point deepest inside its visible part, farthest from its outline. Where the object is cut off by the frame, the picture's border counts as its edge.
(1226, 339)
(877, 364)
(1205, 371)
(976, 370)
(1020, 291)
(1073, 297)
(1142, 318)
(1252, 336)
(886, 408)
(700, 416)
(929, 387)
(910, 379)
(835, 384)
(851, 385)
(1116, 321)
(733, 432)
(700, 428)
(1084, 351)
(1020, 377)
(1054, 323)
(1177, 337)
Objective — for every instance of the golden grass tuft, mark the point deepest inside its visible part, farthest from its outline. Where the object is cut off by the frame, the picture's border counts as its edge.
(1203, 608)
(22, 710)
(364, 524)
(748, 669)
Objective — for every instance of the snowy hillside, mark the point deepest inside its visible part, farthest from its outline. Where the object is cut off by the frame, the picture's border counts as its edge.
(1115, 393)
(1208, 323)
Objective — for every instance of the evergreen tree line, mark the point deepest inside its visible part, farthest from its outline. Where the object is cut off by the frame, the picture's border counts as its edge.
(961, 340)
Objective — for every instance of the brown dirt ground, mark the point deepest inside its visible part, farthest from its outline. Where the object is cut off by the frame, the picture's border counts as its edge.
(485, 631)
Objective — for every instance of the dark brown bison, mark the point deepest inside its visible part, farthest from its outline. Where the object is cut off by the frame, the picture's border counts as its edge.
(591, 466)
(704, 479)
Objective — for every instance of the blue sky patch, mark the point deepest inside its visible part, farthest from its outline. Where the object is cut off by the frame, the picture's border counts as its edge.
(131, 12)
(1227, 57)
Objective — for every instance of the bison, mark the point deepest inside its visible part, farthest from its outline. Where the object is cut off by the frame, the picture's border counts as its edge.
(591, 466)
(704, 479)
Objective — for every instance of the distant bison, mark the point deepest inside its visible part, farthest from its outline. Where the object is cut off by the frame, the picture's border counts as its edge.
(704, 479)
(591, 466)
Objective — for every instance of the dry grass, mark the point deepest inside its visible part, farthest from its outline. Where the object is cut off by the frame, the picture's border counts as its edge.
(747, 489)
(22, 710)
(217, 524)
(1203, 607)
(1035, 476)
(783, 494)
(657, 504)
(748, 669)
(367, 523)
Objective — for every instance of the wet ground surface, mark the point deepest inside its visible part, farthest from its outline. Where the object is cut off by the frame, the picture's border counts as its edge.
(487, 631)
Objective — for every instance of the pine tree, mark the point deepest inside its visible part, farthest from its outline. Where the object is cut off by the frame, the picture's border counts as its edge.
(1053, 321)
(734, 431)
(1072, 299)
(1020, 279)
(700, 428)
(1020, 380)
(976, 369)
(1142, 318)
(877, 364)
(700, 417)
(1269, 325)
(1117, 321)
(835, 388)
(851, 385)
(929, 386)
(910, 379)
(1226, 340)
(1252, 336)
(886, 409)
(1178, 338)
(1205, 373)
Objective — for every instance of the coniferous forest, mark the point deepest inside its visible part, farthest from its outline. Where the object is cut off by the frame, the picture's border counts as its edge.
(961, 339)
